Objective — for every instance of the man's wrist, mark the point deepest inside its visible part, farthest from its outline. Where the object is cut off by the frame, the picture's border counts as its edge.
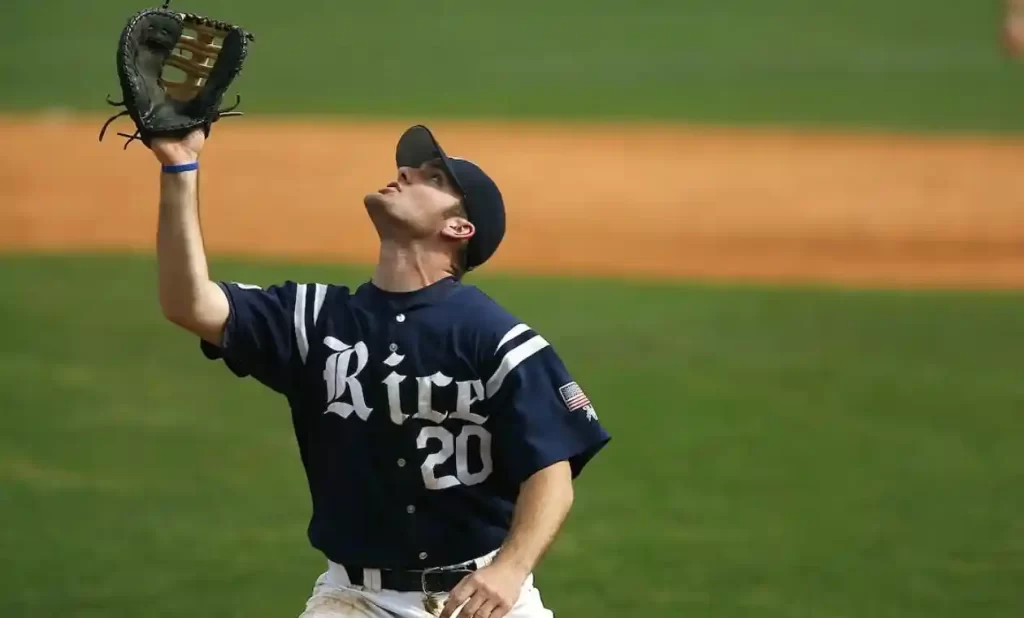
(173, 153)
(508, 559)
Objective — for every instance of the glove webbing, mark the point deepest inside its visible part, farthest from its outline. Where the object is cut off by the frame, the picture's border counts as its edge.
(202, 51)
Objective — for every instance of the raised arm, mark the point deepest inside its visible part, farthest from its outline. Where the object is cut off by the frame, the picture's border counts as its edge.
(188, 297)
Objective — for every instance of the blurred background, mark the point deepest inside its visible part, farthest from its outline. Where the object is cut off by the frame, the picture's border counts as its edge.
(778, 243)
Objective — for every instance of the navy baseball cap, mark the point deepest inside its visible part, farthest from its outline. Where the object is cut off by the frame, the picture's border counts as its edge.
(484, 205)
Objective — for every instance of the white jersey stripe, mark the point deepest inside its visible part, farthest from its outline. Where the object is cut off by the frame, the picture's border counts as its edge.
(300, 321)
(318, 300)
(516, 330)
(511, 360)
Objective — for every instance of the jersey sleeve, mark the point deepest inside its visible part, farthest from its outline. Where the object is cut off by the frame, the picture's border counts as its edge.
(540, 414)
(265, 335)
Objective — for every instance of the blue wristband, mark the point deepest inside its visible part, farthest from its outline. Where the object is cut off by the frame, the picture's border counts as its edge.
(177, 169)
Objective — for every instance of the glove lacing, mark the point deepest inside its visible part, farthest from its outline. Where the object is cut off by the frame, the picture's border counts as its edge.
(223, 113)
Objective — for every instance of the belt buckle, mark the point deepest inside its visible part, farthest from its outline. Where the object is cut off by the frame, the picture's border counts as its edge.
(432, 599)
(465, 567)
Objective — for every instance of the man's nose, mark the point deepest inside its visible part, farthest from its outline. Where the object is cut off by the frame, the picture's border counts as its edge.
(406, 175)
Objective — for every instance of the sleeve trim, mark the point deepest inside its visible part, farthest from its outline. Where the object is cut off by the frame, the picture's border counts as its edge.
(318, 301)
(300, 321)
(512, 360)
(516, 330)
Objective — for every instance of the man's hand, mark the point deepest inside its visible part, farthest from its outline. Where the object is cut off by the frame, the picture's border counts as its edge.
(490, 592)
(171, 151)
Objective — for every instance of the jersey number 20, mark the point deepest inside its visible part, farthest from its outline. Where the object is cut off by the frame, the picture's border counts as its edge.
(459, 446)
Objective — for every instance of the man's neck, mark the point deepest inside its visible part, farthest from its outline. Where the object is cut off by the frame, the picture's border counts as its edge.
(408, 268)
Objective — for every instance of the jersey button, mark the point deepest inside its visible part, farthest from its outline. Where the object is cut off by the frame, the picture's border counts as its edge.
(423, 555)
(410, 509)
(401, 463)
(400, 318)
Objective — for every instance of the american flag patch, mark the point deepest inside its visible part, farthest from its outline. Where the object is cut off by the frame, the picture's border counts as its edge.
(573, 396)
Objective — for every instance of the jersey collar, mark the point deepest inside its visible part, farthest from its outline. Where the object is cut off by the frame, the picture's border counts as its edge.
(404, 301)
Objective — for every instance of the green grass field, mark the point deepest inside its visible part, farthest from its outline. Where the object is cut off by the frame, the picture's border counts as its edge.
(899, 64)
(777, 453)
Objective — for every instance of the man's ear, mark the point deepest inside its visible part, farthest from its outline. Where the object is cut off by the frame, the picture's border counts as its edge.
(458, 228)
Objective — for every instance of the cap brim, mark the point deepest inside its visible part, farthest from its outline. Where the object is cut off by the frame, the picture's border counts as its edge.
(418, 146)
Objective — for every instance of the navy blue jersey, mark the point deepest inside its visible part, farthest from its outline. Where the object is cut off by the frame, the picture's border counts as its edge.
(417, 414)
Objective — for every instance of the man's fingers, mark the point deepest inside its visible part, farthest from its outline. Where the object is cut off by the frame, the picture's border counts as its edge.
(486, 610)
(457, 597)
(474, 604)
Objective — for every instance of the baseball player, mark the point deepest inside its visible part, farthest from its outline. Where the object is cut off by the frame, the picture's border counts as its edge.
(439, 434)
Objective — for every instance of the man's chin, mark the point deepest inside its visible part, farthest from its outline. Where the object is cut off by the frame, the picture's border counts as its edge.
(379, 208)
(374, 200)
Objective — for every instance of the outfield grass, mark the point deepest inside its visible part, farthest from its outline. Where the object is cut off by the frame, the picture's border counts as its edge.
(777, 453)
(903, 64)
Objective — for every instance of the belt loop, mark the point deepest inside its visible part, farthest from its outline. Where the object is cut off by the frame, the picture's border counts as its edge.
(337, 574)
(371, 579)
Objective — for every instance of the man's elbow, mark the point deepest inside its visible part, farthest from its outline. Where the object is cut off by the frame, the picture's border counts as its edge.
(205, 319)
(186, 319)
(175, 312)
(201, 306)
(179, 310)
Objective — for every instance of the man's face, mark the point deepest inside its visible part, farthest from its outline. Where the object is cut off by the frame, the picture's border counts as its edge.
(417, 204)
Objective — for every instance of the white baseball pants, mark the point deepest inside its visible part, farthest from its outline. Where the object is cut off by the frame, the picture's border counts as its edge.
(335, 597)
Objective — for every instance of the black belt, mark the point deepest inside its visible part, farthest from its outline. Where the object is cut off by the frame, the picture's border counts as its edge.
(429, 580)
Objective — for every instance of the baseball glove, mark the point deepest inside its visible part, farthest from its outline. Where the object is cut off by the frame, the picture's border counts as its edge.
(155, 42)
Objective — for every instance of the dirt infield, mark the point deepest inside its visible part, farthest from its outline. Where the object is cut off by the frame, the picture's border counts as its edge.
(644, 201)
